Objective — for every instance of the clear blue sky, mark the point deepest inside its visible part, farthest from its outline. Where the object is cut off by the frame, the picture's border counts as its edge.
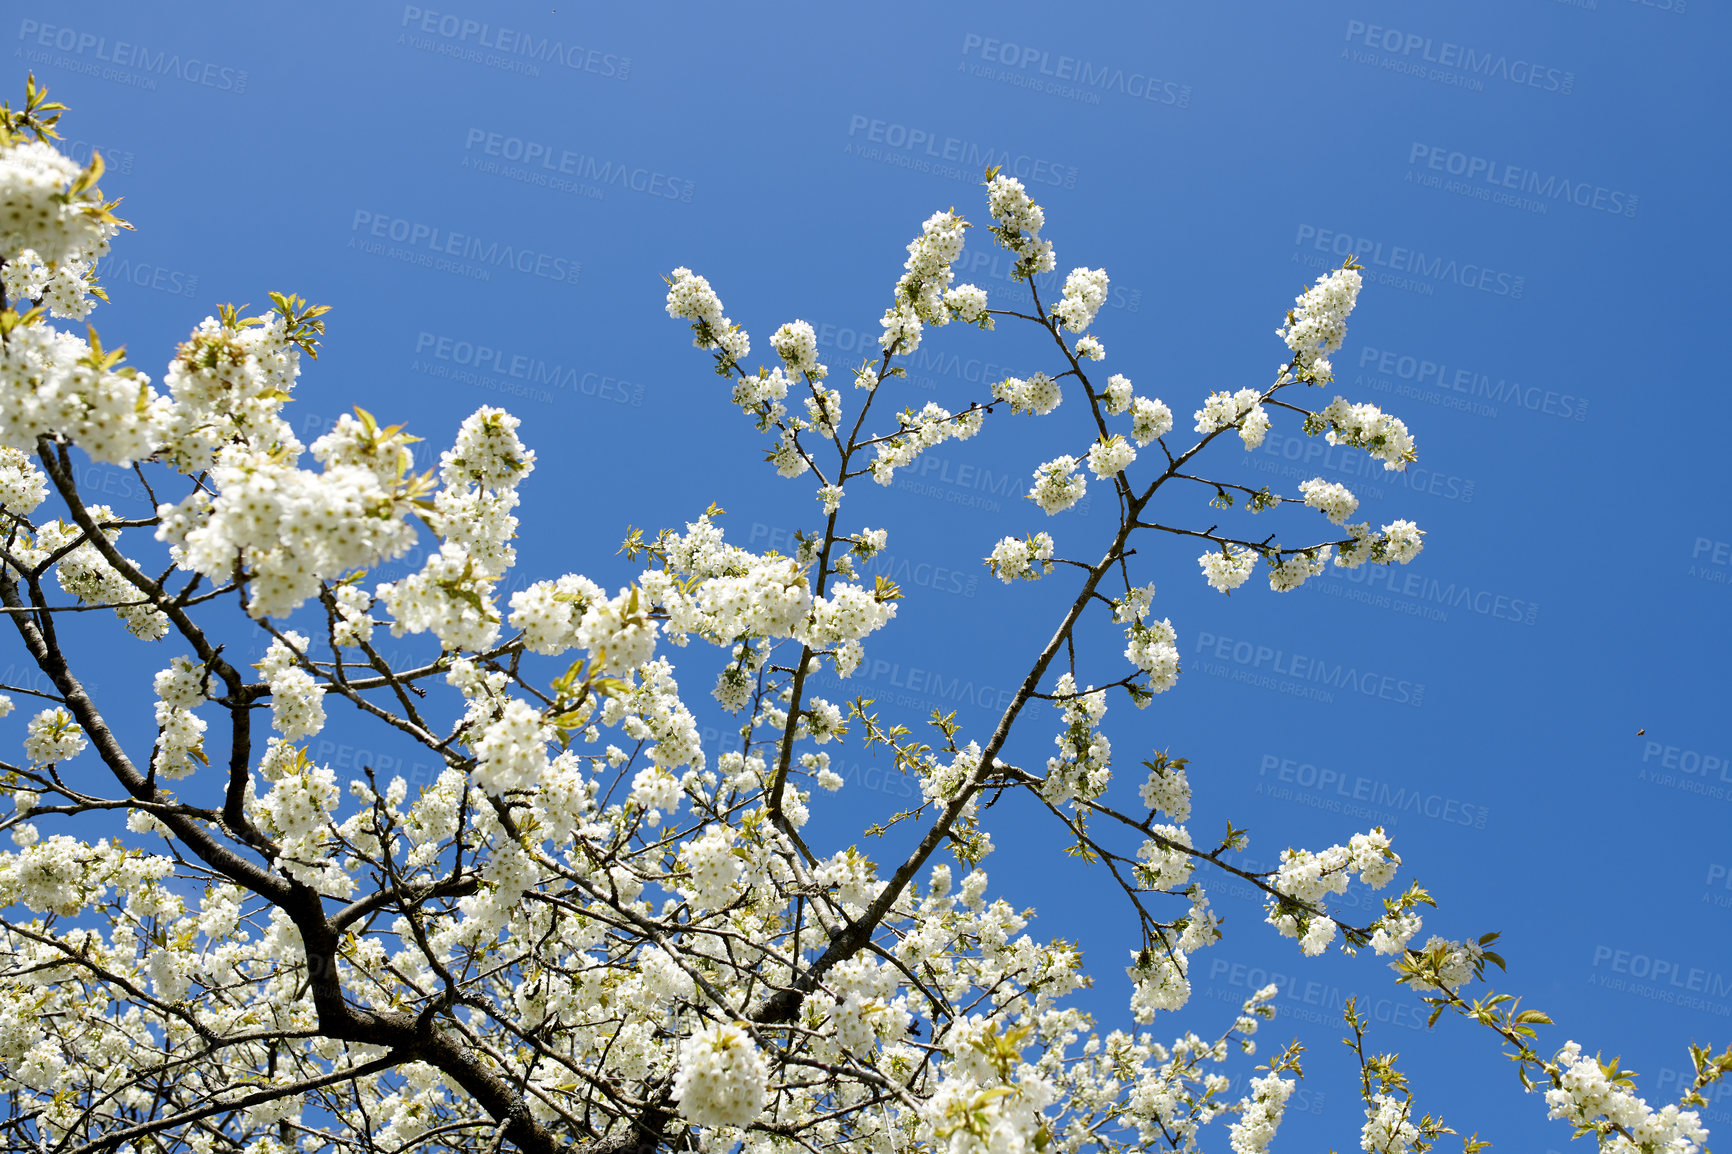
(1535, 186)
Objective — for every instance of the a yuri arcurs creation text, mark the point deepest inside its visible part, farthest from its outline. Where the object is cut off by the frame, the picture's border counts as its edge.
(580, 930)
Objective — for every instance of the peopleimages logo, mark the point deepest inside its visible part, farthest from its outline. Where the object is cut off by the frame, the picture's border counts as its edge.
(88, 46)
(1301, 673)
(508, 48)
(150, 276)
(481, 364)
(114, 159)
(1402, 262)
(543, 163)
(1065, 71)
(1468, 385)
(969, 157)
(1686, 770)
(1410, 52)
(1709, 561)
(1415, 593)
(1503, 179)
(1379, 795)
(429, 245)
(1661, 980)
(1719, 879)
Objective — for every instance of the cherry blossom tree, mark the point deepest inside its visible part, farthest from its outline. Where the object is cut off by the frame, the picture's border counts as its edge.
(586, 933)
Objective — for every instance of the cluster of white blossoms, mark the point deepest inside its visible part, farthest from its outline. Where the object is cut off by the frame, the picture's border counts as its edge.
(1243, 408)
(1017, 222)
(1028, 559)
(22, 485)
(53, 735)
(920, 292)
(847, 613)
(1335, 501)
(1110, 456)
(797, 344)
(823, 411)
(1038, 394)
(1150, 419)
(58, 383)
(49, 204)
(1163, 862)
(1387, 1129)
(1587, 1097)
(229, 381)
(1289, 572)
(1090, 348)
(1151, 646)
(1228, 567)
(547, 613)
(1402, 541)
(84, 573)
(1256, 1126)
(1307, 878)
(967, 303)
(1367, 427)
(290, 528)
(1317, 324)
(617, 632)
(1453, 963)
(721, 1079)
(1085, 291)
(487, 453)
(690, 297)
(988, 1101)
(1117, 396)
(932, 425)
(298, 810)
(511, 753)
(1167, 790)
(770, 597)
(60, 875)
(1398, 543)
(66, 290)
(452, 595)
(297, 701)
(180, 732)
(1058, 485)
(1082, 767)
(760, 395)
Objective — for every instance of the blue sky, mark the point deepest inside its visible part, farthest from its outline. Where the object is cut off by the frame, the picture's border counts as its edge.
(1538, 205)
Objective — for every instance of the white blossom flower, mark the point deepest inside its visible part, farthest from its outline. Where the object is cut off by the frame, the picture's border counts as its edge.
(1039, 394)
(721, 1079)
(1336, 501)
(1117, 396)
(1085, 291)
(797, 345)
(1227, 568)
(1057, 485)
(1318, 322)
(1367, 427)
(1149, 419)
(1295, 569)
(52, 735)
(1017, 224)
(1027, 559)
(1109, 457)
